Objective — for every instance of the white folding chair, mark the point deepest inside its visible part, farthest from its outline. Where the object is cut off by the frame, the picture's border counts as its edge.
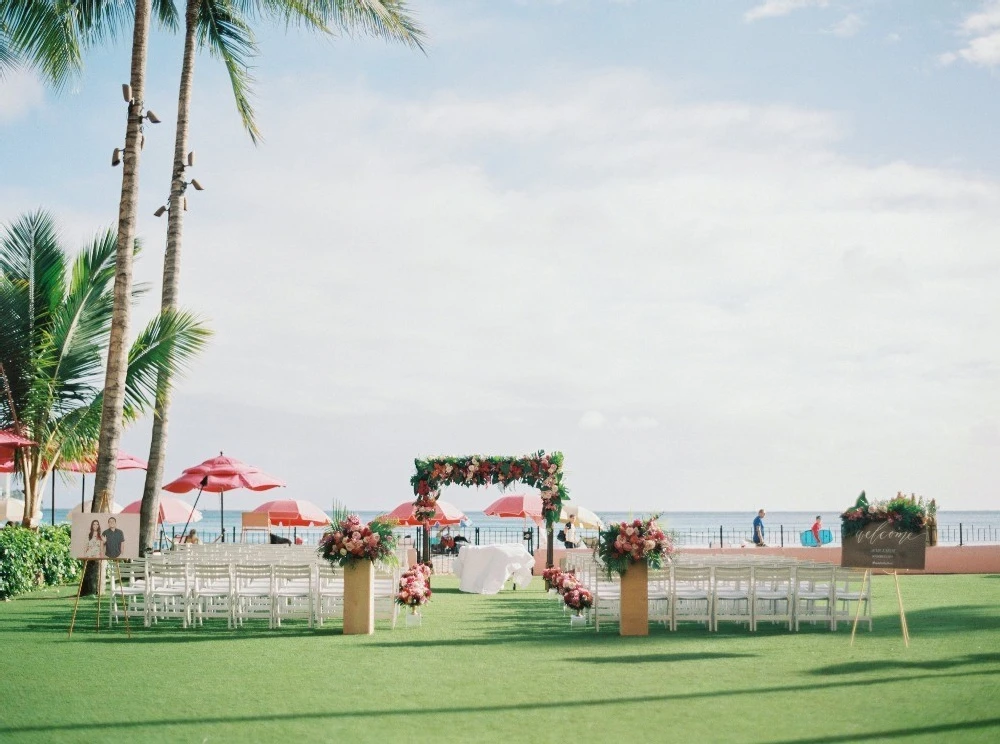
(772, 595)
(814, 595)
(132, 588)
(658, 596)
(732, 595)
(329, 592)
(252, 592)
(168, 592)
(212, 592)
(691, 595)
(850, 588)
(292, 592)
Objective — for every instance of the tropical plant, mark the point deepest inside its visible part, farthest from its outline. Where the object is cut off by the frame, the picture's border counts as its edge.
(224, 27)
(55, 316)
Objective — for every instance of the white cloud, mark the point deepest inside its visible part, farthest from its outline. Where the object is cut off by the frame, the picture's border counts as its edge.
(592, 420)
(893, 38)
(983, 46)
(778, 8)
(19, 93)
(848, 26)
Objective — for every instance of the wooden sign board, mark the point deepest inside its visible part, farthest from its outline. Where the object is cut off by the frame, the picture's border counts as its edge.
(879, 545)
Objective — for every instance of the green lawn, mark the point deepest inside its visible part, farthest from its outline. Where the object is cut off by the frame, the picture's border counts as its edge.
(508, 667)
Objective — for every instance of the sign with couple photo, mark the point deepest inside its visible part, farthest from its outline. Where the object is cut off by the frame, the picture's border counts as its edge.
(105, 535)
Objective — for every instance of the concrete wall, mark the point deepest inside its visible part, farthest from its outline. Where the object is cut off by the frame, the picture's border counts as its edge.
(951, 559)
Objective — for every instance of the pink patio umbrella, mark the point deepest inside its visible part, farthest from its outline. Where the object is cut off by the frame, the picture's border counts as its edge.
(172, 511)
(293, 513)
(221, 474)
(444, 513)
(9, 441)
(516, 506)
(125, 462)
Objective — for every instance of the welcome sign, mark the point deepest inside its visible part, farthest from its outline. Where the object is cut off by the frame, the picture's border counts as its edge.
(880, 545)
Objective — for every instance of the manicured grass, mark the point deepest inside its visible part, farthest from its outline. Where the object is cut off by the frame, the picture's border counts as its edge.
(508, 668)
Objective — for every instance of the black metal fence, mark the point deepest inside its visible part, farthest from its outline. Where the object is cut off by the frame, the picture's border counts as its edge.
(702, 537)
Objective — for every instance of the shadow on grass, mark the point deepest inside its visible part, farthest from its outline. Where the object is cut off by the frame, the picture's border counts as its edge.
(658, 658)
(543, 705)
(903, 733)
(883, 665)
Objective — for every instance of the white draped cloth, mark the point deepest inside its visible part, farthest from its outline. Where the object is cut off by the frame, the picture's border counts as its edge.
(483, 569)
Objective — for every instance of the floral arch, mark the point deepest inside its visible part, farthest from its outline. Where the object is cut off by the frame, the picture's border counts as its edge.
(539, 470)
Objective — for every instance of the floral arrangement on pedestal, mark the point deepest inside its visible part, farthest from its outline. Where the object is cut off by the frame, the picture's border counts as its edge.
(640, 540)
(549, 575)
(350, 540)
(540, 470)
(578, 598)
(414, 588)
(905, 514)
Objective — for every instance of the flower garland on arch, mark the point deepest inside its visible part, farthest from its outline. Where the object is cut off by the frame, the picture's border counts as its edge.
(539, 470)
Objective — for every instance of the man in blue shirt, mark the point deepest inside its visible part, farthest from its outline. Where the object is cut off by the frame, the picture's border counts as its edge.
(758, 530)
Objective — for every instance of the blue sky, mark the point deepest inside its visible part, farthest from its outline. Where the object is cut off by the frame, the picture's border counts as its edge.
(724, 255)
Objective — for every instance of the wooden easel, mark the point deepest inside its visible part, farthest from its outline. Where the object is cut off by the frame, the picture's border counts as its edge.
(102, 505)
(867, 579)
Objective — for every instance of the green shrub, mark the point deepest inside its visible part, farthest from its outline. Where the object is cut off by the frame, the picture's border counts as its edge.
(33, 558)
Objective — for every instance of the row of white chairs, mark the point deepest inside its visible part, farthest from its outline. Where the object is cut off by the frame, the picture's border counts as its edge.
(160, 588)
(748, 592)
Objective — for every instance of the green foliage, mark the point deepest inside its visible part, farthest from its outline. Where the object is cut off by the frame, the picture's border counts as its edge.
(33, 558)
(904, 514)
(539, 470)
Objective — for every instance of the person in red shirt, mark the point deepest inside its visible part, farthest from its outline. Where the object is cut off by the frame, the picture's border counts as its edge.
(817, 525)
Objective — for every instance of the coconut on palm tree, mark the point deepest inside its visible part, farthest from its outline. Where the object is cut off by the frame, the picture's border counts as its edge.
(56, 312)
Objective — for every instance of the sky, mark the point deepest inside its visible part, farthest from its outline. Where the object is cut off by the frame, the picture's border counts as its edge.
(724, 256)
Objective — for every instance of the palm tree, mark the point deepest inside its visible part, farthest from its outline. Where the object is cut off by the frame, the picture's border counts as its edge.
(225, 29)
(56, 324)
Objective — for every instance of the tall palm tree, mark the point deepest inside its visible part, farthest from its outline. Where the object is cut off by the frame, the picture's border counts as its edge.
(56, 324)
(224, 27)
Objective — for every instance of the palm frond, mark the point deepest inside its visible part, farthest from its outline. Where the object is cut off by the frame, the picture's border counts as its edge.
(40, 35)
(391, 20)
(168, 344)
(228, 36)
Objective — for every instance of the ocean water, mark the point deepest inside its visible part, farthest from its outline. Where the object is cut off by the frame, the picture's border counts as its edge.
(692, 528)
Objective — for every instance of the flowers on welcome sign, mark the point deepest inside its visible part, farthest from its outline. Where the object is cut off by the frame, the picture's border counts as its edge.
(902, 513)
(414, 590)
(540, 470)
(351, 540)
(640, 540)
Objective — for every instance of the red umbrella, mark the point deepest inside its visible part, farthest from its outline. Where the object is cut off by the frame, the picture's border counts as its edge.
(444, 513)
(125, 462)
(294, 513)
(11, 441)
(516, 506)
(172, 511)
(221, 474)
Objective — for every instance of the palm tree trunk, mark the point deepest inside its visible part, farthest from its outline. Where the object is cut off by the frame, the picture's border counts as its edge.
(114, 381)
(171, 280)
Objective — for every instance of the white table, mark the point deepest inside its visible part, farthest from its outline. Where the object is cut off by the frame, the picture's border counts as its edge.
(483, 569)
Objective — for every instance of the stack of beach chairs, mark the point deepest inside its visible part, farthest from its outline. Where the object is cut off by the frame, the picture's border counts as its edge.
(747, 590)
(238, 583)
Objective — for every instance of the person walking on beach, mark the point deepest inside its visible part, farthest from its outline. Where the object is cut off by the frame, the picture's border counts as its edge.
(758, 530)
(817, 526)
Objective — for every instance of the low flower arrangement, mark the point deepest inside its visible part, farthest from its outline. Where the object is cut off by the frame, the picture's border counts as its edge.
(350, 540)
(549, 575)
(905, 514)
(579, 598)
(565, 581)
(414, 590)
(539, 470)
(641, 540)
